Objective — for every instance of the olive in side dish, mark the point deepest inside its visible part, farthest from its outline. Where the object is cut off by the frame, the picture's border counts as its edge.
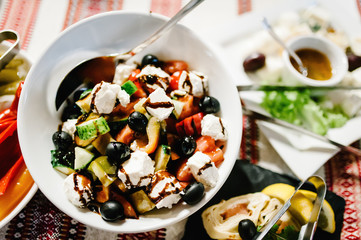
(117, 152)
(254, 62)
(187, 146)
(209, 104)
(150, 59)
(111, 210)
(138, 121)
(62, 140)
(193, 193)
(354, 61)
(246, 229)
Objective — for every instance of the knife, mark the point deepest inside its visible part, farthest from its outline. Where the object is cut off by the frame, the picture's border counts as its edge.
(263, 117)
(255, 87)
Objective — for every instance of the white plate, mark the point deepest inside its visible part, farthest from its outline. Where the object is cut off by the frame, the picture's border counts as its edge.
(100, 35)
(302, 160)
(3, 47)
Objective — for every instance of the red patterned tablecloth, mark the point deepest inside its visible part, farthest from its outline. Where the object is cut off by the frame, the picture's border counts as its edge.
(40, 219)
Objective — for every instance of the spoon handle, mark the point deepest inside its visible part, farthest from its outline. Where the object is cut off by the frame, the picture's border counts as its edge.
(290, 52)
(167, 26)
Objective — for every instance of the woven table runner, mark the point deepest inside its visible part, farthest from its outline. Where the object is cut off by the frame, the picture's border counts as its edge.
(40, 219)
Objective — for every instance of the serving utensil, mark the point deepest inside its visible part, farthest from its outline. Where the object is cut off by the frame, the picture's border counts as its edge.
(269, 28)
(308, 230)
(105, 66)
(13, 49)
(263, 117)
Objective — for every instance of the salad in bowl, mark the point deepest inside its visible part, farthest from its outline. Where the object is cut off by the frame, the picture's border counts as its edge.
(144, 141)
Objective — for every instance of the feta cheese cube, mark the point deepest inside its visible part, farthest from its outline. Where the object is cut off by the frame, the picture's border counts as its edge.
(123, 97)
(214, 127)
(105, 95)
(193, 82)
(137, 171)
(78, 190)
(203, 169)
(70, 126)
(165, 189)
(154, 77)
(158, 104)
(122, 73)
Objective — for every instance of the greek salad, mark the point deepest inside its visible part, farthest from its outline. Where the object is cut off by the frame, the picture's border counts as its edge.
(150, 139)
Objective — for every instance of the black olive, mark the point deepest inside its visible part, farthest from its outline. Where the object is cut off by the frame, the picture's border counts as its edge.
(254, 62)
(246, 229)
(354, 62)
(150, 59)
(62, 140)
(71, 111)
(187, 146)
(111, 210)
(193, 193)
(117, 152)
(209, 104)
(137, 121)
(151, 79)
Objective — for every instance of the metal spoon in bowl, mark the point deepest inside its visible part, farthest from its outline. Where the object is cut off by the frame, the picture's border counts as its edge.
(103, 68)
(268, 27)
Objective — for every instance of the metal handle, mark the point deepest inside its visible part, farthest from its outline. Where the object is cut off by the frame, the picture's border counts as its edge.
(307, 230)
(266, 118)
(166, 27)
(267, 26)
(14, 48)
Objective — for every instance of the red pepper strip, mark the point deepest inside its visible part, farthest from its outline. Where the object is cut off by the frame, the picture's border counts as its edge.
(9, 153)
(4, 181)
(7, 113)
(14, 105)
(5, 124)
(7, 119)
(8, 131)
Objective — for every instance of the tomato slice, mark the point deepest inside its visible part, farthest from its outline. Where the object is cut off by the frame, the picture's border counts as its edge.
(183, 173)
(133, 75)
(174, 80)
(205, 144)
(190, 126)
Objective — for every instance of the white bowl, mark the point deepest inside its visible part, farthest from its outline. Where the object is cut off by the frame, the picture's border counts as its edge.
(100, 35)
(337, 57)
(27, 63)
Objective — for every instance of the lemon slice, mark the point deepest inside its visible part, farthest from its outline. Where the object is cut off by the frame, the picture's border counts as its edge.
(302, 204)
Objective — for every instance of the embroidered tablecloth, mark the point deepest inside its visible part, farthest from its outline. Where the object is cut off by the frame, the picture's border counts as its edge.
(38, 22)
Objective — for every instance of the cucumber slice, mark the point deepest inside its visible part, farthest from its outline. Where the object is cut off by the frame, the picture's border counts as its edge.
(87, 130)
(62, 161)
(82, 158)
(64, 169)
(141, 201)
(129, 87)
(105, 164)
(90, 129)
(96, 169)
(101, 125)
(178, 107)
(162, 157)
